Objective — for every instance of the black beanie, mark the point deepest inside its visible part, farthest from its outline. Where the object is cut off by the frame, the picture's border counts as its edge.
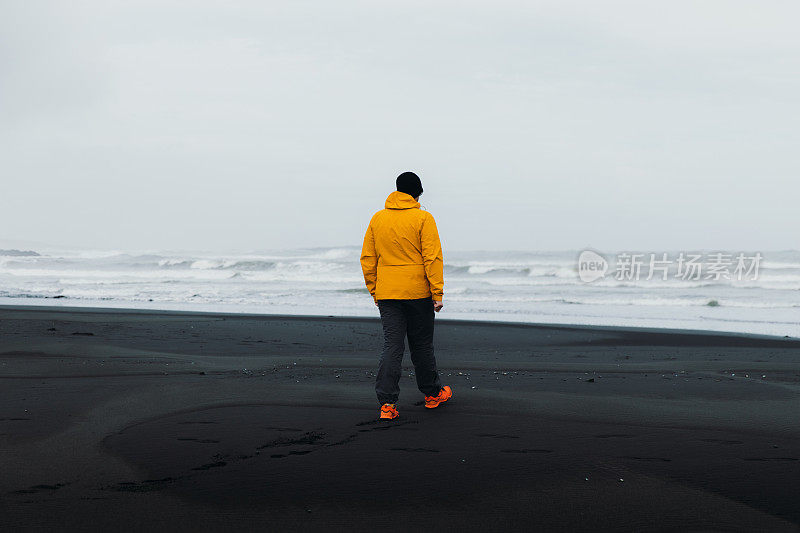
(409, 183)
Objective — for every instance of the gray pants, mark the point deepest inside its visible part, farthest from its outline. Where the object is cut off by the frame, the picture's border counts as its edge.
(412, 318)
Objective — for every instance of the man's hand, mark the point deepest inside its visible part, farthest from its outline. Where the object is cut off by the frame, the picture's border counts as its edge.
(437, 305)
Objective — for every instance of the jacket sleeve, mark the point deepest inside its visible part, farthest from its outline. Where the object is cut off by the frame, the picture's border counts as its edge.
(369, 261)
(432, 257)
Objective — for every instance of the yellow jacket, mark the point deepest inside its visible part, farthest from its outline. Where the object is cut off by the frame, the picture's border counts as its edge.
(402, 256)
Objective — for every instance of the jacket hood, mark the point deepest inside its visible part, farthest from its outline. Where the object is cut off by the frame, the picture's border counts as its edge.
(401, 200)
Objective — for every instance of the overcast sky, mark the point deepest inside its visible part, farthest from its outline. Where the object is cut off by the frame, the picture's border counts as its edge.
(533, 125)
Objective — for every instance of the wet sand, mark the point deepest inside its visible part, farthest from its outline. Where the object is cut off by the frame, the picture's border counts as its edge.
(132, 420)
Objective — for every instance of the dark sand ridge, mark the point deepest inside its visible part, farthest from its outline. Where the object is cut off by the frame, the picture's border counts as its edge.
(185, 420)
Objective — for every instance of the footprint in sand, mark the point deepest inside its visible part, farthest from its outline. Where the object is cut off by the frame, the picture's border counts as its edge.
(148, 485)
(310, 437)
(383, 425)
(209, 466)
(348, 439)
(300, 452)
(38, 488)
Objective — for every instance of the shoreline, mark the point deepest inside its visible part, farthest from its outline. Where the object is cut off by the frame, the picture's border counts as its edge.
(460, 321)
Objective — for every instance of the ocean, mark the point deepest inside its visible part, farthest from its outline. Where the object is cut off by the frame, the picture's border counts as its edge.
(516, 286)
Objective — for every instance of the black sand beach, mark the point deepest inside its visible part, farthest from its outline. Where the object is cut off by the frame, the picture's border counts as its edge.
(138, 420)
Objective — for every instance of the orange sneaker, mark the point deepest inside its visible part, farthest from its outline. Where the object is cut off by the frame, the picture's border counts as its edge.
(433, 401)
(389, 411)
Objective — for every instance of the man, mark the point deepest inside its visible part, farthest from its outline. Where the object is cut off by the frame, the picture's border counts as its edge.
(403, 269)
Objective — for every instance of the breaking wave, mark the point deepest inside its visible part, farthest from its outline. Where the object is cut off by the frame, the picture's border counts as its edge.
(534, 286)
